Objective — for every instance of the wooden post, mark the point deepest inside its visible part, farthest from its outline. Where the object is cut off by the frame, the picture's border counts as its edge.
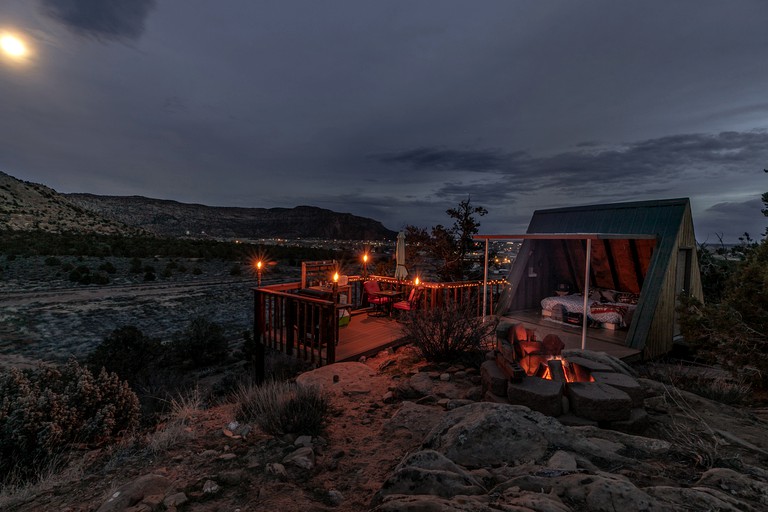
(290, 325)
(258, 334)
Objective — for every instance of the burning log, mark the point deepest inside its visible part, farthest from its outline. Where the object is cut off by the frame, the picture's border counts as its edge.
(556, 371)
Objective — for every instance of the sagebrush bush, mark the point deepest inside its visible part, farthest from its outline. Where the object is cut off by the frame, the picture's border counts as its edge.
(280, 407)
(444, 334)
(44, 410)
(203, 343)
(126, 352)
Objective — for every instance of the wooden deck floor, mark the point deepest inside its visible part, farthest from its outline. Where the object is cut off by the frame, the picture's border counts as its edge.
(601, 340)
(366, 335)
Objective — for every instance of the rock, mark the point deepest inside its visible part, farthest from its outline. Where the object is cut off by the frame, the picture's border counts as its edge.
(227, 456)
(485, 434)
(496, 399)
(231, 478)
(335, 498)
(421, 383)
(209, 454)
(175, 500)
(445, 377)
(636, 424)
(562, 460)
(648, 446)
(405, 503)
(278, 470)
(135, 492)
(354, 378)
(457, 402)
(211, 488)
(412, 420)
(697, 498)
(493, 378)
(603, 492)
(599, 402)
(389, 398)
(475, 393)
(539, 394)
(303, 458)
(627, 384)
(613, 363)
(429, 472)
(303, 441)
(736, 484)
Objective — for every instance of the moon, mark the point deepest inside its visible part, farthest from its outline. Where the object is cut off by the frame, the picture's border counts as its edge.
(13, 46)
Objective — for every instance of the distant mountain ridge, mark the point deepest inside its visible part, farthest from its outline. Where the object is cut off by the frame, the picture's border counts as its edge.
(28, 206)
(172, 218)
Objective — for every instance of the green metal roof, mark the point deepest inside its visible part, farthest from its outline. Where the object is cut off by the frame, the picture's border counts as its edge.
(660, 217)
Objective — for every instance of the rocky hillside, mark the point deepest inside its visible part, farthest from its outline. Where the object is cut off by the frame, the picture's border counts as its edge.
(29, 206)
(406, 436)
(171, 218)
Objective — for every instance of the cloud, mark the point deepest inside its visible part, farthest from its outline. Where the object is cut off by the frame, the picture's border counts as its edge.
(101, 19)
(650, 165)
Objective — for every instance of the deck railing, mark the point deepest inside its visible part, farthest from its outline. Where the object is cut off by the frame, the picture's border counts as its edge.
(307, 327)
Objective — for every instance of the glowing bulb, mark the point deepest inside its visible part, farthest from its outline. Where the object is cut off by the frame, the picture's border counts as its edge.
(258, 264)
(416, 281)
(336, 277)
(365, 258)
(13, 46)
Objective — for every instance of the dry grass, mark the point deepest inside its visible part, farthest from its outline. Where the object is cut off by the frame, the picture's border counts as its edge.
(280, 407)
(56, 473)
(177, 429)
(706, 381)
(693, 438)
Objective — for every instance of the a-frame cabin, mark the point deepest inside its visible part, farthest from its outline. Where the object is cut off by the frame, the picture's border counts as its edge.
(646, 248)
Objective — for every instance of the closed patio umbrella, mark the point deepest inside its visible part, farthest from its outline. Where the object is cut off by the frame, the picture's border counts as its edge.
(400, 271)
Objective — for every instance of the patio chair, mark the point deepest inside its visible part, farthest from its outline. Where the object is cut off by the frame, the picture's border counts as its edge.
(411, 303)
(371, 289)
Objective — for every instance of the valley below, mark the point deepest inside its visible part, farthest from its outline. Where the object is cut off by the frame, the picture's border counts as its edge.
(46, 317)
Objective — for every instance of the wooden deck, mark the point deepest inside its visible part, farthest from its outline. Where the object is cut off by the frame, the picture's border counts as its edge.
(367, 335)
(600, 340)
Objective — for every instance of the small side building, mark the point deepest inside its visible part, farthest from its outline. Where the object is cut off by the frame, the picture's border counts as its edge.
(646, 248)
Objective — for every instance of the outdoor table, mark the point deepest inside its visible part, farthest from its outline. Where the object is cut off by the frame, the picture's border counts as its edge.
(392, 295)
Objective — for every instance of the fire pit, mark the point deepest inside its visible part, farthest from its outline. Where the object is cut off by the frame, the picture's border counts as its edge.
(574, 388)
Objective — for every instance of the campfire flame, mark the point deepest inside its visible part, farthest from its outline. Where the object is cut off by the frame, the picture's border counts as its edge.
(569, 371)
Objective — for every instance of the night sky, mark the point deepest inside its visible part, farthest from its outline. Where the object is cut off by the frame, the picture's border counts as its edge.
(395, 110)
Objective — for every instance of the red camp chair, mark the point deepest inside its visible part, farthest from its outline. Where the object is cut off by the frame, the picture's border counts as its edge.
(411, 303)
(371, 289)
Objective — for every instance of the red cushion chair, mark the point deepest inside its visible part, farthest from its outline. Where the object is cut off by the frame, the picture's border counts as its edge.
(371, 288)
(411, 303)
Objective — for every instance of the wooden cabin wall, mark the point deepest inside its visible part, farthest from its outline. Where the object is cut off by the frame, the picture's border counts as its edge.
(661, 334)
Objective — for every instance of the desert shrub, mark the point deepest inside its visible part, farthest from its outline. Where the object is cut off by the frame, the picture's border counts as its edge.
(52, 261)
(235, 270)
(43, 411)
(444, 334)
(747, 290)
(108, 267)
(203, 343)
(197, 271)
(149, 276)
(126, 352)
(281, 407)
(136, 267)
(720, 336)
